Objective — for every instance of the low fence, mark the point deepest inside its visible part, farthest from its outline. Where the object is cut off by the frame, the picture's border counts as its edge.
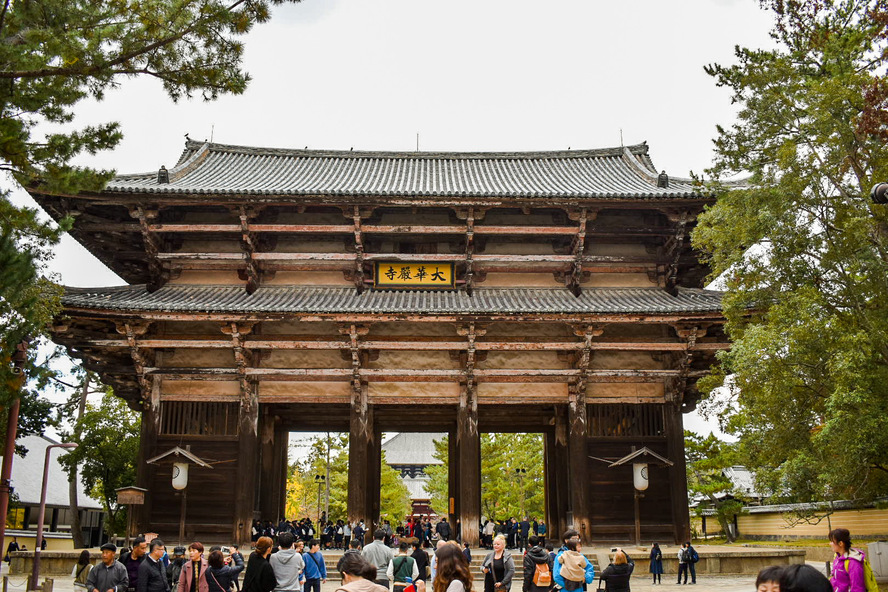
(770, 523)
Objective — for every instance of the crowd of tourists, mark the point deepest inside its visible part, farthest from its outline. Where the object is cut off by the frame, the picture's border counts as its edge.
(285, 563)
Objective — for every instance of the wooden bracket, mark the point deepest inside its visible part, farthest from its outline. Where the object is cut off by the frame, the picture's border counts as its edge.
(158, 276)
(249, 248)
(133, 330)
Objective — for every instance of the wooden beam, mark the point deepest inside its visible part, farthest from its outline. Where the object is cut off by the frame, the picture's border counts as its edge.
(284, 342)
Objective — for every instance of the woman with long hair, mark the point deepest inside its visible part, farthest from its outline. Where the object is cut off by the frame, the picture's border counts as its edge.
(657, 563)
(81, 569)
(358, 575)
(452, 572)
(847, 567)
(260, 575)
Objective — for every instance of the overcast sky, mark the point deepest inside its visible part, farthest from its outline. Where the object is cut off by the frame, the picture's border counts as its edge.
(482, 75)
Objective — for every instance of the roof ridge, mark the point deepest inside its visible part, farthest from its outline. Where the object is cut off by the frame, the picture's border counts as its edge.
(635, 149)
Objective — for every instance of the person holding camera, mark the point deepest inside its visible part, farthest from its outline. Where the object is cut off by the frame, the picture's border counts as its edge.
(616, 575)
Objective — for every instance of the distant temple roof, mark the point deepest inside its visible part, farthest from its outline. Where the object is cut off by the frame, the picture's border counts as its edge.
(412, 448)
(332, 300)
(218, 169)
(27, 477)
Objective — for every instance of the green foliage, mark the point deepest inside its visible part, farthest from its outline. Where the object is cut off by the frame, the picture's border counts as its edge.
(393, 495)
(706, 459)
(106, 456)
(504, 493)
(56, 53)
(804, 253)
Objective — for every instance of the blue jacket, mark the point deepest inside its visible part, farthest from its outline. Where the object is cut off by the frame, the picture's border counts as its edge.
(556, 570)
(315, 568)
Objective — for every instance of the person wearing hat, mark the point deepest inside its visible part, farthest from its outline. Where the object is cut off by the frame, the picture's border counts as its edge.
(109, 575)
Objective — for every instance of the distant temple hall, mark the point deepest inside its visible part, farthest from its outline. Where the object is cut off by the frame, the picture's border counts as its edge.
(411, 454)
(277, 290)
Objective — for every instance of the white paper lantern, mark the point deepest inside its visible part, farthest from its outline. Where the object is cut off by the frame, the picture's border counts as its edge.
(180, 475)
(640, 476)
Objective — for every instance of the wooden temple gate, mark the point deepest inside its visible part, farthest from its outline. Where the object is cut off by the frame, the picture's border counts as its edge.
(569, 305)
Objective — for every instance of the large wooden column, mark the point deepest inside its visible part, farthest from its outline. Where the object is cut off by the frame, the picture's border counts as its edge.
(678, 474)
(247, 436)
(150, 426)
(557, 473)
(274, 443)
(468, 445)
(578, 436)
(468, 441)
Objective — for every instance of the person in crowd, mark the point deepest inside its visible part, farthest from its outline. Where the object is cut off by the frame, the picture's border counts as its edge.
(616, 575)
(221, 577)
(684, 558)
(572, 569)
(109, 575)
(260, 575)
(467, 551)
(847, 568)
(537, 567)
(235, 557)
(133, 559)
(339, 534)
(523, 533)
(12, 547)
(354, 546)
(443, 529)
(422, 560)
(657, 563)
(542, 530)
(402, 568)
(804, 578)
(81, 569)
(768, 579)
(315, 568)
(379, 555)
(358, 575)
(453, 573)
(693, 557)
(550, 548)
(193, 577)
(498, 567)
(152, 571)
(288, 565)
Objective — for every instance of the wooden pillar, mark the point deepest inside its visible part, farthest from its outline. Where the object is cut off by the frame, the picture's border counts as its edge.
(375, 478)
(281, 452)
(578, 461)
(360, 463)
(452, 509)
(270, 476)
(559, 474)
(468, 442)
(148, 431)
(678, 474)
(247, 453)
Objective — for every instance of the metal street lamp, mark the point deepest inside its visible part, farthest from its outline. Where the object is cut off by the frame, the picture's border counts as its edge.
(38, 546)
(320, 480)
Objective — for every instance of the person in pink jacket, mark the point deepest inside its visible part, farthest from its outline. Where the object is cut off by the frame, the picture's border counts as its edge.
(194, 573)
(847, 567)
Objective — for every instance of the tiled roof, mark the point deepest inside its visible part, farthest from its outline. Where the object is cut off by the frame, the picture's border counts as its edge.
(412, 448)
(611, 173)
(333, 300)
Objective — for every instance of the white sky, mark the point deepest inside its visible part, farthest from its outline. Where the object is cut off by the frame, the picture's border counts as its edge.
(465, 75)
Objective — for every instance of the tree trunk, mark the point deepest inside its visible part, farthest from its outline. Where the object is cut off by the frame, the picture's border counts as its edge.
(76, 527)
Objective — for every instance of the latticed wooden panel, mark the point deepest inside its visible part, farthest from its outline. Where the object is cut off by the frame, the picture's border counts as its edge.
(192, 418)
(626, 421)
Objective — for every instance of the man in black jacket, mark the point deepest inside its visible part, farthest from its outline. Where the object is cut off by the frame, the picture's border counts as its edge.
(443, 529)
(152, 572)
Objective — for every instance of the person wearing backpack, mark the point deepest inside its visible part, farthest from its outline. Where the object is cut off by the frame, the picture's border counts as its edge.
(851, 572)
(402, 569)
(684, 558)
(537, 567)
(693, 558)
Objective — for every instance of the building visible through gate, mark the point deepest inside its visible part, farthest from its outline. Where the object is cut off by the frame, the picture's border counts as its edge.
(278, 290)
